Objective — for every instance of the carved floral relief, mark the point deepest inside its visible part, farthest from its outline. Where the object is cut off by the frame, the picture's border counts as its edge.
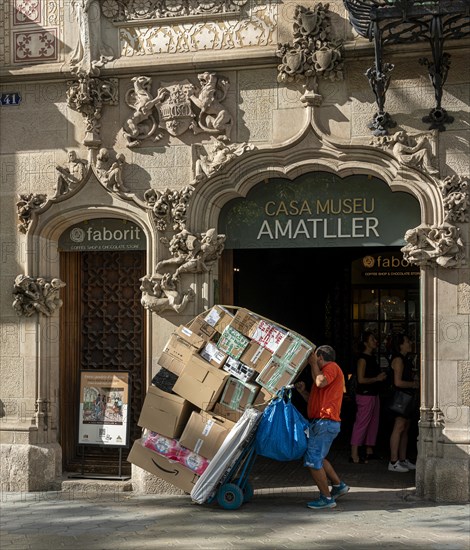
(455, 192)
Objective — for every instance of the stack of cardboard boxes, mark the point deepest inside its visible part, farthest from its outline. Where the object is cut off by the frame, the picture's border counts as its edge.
(211, 371)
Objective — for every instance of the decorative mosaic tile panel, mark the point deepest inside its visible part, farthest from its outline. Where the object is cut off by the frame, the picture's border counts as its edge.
(38, 45)
(26, 12)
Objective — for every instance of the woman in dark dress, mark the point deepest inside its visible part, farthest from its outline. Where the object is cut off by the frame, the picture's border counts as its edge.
(404, 380)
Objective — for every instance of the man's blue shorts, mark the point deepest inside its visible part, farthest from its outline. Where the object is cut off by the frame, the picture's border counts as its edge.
(321, 435)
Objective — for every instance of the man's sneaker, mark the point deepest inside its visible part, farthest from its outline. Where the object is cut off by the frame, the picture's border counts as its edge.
(339, 490)
(397, 467)
(322, 502)
(407, 464)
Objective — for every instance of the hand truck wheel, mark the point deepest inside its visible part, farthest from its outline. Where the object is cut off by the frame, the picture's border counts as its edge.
(230, 496)
(248, 490)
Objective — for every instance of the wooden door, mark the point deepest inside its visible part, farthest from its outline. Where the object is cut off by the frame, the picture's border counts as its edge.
(102, 328)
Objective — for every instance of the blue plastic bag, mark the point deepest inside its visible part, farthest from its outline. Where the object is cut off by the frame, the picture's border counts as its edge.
(281, 431)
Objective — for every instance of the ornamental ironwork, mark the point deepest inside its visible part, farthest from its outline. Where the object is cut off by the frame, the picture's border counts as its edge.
(387, 22)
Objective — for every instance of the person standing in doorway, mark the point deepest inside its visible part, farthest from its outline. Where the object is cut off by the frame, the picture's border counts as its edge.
(324, 405)
(369, 379)
(403, 380)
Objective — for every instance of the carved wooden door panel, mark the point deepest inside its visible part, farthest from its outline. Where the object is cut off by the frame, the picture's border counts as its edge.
(102, 328)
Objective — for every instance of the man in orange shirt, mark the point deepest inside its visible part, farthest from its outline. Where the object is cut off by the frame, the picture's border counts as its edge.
(324, 405)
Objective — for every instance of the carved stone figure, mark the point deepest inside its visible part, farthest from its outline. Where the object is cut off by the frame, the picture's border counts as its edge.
(412, 151)
(173, 108)
(169, 207)
(70, 175)
(455, 192)
(312, 54)
(87, 96)
(192, 253)
(210, 249)
(214, 118)
(27, 205)
(90, 53)
(220, 154)
(36, 295)
(182, 246)
(161, 293)
(142, 124)
(434, 245)
(113, 177)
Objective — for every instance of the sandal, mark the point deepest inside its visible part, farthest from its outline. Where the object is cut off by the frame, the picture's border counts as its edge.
(358, 461)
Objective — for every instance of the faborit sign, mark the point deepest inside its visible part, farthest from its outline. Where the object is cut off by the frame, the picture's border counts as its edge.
(103, 234)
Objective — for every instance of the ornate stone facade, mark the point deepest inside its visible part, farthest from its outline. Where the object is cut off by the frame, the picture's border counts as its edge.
(158, 114)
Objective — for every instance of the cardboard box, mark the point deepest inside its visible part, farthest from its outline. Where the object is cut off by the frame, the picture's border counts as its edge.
(232, 342)
(218, 317)
(262, 399)
(172, 472)
(170, 363)
(228, 413)
(179, 349)
(238, 369)
(255, 356)
(268, 335)
(190, 336)
(203, 329)
(244, 321)
(200, 383)
(205, 433)
(212, 354)
(165, 413)
(276, 375)
(294, 351)
(238, 395)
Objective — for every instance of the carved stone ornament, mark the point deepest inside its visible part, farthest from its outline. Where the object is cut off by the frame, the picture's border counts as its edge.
(27, 205)
(70, 175)
(87, 95)
(215, 156)
(176, 108)
(36, 295)
(170, 207)
(109, 171)
(412, 151)
(163, 292)
(90, 53)
(190, 253)
(455, 192)
(434, 246)
(312, 54)
(128, 10)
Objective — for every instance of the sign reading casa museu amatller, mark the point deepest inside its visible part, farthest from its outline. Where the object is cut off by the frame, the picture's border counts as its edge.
(319, 210)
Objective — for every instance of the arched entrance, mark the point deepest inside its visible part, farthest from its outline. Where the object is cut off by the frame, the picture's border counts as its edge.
(102, 329)
(321, 255)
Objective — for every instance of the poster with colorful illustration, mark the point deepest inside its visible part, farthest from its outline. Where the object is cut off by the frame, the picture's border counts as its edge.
(104, 406)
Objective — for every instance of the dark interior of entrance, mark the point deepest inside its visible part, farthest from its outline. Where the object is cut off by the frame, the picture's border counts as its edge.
(311, 291)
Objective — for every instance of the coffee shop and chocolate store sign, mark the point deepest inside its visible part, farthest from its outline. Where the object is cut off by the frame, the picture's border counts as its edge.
(319, 210)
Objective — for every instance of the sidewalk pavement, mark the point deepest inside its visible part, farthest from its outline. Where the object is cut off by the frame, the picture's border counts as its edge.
(379, 511)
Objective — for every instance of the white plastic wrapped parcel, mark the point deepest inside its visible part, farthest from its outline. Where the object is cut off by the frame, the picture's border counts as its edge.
(226, 456)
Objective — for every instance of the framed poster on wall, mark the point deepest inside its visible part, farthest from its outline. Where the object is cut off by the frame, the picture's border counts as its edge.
(104, 405)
